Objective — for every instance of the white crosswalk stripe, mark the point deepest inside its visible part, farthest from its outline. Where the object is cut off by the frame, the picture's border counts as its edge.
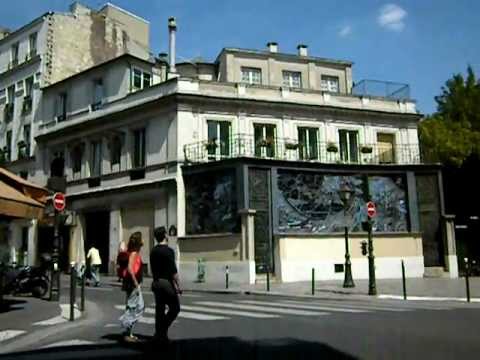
(73, 342)
(372, 307)
(229, 312)
(267, 309)
(190, 315)
(305, 306)
(10, 334)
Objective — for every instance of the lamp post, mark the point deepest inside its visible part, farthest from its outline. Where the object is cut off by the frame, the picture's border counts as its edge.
(345, 194)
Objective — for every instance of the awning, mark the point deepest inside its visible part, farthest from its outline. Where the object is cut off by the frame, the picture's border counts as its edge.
(20, 198)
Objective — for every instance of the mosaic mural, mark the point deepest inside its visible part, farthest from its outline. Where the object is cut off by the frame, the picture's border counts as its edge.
(389, 195)
(211, 203)
(309, 202)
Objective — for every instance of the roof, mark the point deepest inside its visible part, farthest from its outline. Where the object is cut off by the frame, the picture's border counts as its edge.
(105, 63)
(284, 56)
(24, 27)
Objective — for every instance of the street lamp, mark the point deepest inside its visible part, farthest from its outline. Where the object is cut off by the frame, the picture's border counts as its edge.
(346, 195)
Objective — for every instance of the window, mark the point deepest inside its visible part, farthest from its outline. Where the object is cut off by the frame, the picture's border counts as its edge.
(76, 156)
(386, 148)
(348, 145)
(95, 158)
(14, 55)
(116, 150)
(218, 139)
(329, 83)
(29, 86)
(251, 75)
(61, 107)
(32, 41)
(139, 150)
(292, 79)
(308, 143)
(140, 79)
(8, 145)
(9, 108)
(28, 99)
(97, 94)
(26, 139)
(265, 140)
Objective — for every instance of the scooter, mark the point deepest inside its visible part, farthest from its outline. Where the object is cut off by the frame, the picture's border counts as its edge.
(26, 280)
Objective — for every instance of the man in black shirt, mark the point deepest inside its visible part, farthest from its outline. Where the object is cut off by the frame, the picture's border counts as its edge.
(165, 285)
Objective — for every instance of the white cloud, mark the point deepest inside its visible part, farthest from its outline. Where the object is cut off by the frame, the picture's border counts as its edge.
(345, 31)
(392, 17)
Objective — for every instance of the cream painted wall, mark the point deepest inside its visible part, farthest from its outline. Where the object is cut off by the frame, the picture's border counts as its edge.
(139, 219)
(210, 248)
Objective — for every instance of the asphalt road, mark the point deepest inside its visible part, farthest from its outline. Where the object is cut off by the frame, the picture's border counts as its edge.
(229, 326)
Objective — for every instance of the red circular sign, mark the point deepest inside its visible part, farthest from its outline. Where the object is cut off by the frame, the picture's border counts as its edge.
(371, 209)
(59, 201)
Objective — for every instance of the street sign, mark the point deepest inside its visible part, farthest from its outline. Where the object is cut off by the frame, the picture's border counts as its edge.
(59, 201)
(371, 209)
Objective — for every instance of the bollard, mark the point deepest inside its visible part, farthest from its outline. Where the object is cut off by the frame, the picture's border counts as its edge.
(268, 279)
(313, 281)
(467, 282)
(72, 292)
(226, 277)
(404, 282)
(82, 293)
(2, 285)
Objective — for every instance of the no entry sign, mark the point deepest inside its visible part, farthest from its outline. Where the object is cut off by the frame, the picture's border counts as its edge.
(59, 201)
(371, 209)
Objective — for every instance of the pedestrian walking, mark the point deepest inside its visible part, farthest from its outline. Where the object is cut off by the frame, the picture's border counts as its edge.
(132, 278)
(122, 260)
(95, 262)
(165, 285)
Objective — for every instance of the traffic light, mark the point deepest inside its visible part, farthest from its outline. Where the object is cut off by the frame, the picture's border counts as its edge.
(363, 244)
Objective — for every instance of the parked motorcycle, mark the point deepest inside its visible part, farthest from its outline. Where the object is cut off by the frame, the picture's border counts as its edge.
(26, 280)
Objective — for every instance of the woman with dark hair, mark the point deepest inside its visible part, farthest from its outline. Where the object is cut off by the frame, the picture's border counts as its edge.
(132, 278)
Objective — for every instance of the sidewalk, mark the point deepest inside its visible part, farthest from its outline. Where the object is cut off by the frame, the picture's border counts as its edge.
(419, 287)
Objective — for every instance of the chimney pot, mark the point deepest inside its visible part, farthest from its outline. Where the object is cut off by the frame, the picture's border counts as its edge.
(172, 23)
(272, 47)
(172, 30)
(302, 50)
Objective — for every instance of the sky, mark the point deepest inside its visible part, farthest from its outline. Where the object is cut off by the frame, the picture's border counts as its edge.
(418, 42)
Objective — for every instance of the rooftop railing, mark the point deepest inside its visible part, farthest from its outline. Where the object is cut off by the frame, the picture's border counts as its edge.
(243, 145)
(385, 89)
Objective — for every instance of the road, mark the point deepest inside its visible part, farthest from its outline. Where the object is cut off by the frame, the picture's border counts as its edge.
(231, 326)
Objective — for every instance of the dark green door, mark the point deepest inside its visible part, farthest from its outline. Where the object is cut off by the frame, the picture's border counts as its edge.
(259, 197)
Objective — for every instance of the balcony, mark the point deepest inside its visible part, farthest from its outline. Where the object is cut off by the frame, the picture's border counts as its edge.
(242, 145)
(382, 89)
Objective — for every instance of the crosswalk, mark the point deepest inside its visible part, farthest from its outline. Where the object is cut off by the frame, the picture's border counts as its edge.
(203, 310)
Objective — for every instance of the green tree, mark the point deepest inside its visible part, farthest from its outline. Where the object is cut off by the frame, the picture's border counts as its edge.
(452, 134)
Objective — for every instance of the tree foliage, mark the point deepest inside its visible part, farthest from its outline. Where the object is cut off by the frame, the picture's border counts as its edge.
(452, 134)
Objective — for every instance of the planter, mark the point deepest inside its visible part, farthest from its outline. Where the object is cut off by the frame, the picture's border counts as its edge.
(366, 149)
(291, 146)
(332, 148)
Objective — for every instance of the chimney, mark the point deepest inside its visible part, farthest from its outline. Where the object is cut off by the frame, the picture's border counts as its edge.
(172, 31)
(302, 50)
(272, 47)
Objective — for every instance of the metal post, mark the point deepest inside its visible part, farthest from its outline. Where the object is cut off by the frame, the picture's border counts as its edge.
(2, 285)
(268, 279)
(404, 283)
(348, 280)
(226, 277)
(82, 293)
(372, 287)
(55, 271)
(313, 281)
(72, 292)
(467, 275)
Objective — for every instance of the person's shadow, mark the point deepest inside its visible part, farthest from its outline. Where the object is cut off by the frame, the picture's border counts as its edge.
(216, 348)
(8, 305)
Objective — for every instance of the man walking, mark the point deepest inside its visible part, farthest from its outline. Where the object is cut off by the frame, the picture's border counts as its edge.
(165, 285)
(95, 261)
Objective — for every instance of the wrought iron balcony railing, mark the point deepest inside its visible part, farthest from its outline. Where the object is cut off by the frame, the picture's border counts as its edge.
(288, 149)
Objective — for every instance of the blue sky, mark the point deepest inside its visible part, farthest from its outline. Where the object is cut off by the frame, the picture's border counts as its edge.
(419, 42)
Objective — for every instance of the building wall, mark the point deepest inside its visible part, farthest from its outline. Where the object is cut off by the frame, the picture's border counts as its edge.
(296, 256)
